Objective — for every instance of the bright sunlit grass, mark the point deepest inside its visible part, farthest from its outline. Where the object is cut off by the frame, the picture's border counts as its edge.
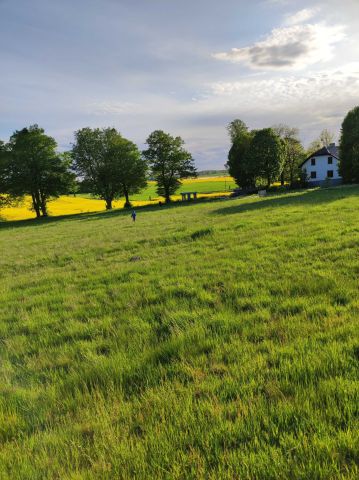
(213, 341)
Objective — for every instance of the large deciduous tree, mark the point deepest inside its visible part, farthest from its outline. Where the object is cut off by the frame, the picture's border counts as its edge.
(33, 167)
(168, 161)
(267, 152)
(293, 152)
(349, 147)
(238, 165)
(110, 165)
(131, 168)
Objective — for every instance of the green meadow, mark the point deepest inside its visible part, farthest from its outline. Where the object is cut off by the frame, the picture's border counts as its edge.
(216, 340)
(201, 185)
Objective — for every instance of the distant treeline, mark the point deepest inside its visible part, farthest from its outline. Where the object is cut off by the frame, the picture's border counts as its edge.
(212, 173)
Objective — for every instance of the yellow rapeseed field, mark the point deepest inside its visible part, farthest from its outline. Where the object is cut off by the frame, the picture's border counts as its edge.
(70, 205)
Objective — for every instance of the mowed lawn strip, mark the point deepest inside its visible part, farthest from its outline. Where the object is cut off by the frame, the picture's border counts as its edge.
(217, 340)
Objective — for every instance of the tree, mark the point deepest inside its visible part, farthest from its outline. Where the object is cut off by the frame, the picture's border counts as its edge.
(109, 165)
(324, 140)
(327, 137)
(4, 199)
(236, 129)
(33, 167)
(267, 152)
(314, 146)
(169, 162)
(131, 168)
(349, 147)
(238, 166)
(294, 156)
(293, 153)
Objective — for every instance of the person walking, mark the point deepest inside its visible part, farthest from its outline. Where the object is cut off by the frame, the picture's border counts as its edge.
(133, 215)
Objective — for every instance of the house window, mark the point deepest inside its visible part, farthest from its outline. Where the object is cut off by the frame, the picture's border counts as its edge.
(330, 160)
(313, 174)
(313, 161)
(330, 174)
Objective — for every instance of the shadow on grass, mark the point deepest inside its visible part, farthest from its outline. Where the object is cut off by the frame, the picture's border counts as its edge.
(305, 197)
(301, 197)
(89, 216)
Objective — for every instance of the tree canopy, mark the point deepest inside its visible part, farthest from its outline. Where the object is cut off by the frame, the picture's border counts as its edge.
(266, 151)
(169, 162)
(294, 152)
(110, 165)
(131, 168)
(238, 165)
(349, 147)
(236, 129)
(33, 167)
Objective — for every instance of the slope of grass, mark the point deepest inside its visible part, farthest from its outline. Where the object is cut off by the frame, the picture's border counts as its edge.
(215, 341)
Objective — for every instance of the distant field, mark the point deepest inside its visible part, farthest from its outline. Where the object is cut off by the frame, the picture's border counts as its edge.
(84, 203)
(213, 341)
(200, 185)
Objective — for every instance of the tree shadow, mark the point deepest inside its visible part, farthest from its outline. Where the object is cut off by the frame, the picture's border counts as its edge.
(304, 197)
(104, 214)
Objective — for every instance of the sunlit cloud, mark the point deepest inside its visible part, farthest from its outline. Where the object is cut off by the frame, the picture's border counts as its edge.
(292, 47)
(300, 17)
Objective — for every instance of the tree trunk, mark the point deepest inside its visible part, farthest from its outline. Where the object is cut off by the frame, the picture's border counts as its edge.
(36, 204)
(108, 204)
(167, 196)
(127, 202)
(44, 210)
(268, 182)
(282, 179)
(43, 207)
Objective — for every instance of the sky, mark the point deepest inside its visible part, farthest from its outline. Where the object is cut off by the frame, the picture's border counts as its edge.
(187, 67)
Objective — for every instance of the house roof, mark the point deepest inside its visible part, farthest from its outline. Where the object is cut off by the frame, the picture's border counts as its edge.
(331, 151)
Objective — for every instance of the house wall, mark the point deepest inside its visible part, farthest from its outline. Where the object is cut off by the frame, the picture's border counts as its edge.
(321, 167)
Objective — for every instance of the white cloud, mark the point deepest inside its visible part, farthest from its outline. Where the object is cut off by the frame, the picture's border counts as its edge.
(301, 16)
(293, 47)
(314, 94)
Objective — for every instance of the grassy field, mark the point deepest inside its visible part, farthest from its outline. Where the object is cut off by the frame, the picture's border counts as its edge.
(210, 341)
(85, 203)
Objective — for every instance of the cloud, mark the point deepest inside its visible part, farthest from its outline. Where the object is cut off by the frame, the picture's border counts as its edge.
(301, 16)
(293, 47)
(313, 94)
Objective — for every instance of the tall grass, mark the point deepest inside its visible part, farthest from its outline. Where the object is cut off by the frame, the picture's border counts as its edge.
(229, 348)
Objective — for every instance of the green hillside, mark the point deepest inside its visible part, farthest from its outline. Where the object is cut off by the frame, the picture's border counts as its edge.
(210, 341)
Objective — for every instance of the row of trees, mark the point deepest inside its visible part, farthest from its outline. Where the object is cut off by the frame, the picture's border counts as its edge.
(276, 153)
(112, 167)
(269, 154)
(107, 163)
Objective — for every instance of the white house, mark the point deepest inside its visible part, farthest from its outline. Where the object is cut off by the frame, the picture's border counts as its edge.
(322, 166)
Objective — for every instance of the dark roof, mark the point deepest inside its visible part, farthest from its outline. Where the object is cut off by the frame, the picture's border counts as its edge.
(331, 151)
(334, 150)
